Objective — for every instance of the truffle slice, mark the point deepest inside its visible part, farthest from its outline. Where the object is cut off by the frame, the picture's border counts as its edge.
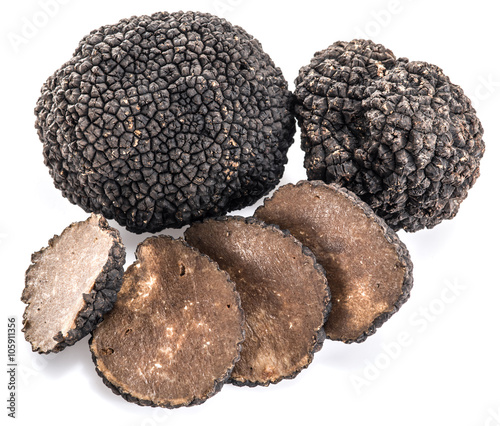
(368, 268)
(283, 292)
(176, 330)
(71, 284)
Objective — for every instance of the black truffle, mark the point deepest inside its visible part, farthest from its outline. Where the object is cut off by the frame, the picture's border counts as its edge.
(399, 134)
(368, 268)
(283, 290)
(71, 284)
(160, 120)
(175, 332)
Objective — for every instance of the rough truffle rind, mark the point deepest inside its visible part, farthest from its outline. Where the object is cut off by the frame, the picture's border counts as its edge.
(176, 330)
(90, 307)
(368, 267)
(160, 120)
(283, 290)
(398, 134)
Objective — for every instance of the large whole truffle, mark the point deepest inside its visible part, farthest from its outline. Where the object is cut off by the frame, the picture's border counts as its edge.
(399, 134)
(160, 120)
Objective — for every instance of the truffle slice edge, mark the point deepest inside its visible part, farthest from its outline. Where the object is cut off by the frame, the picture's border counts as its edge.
(89, 306)
(390, 236)
(119, 389)
(319, 333)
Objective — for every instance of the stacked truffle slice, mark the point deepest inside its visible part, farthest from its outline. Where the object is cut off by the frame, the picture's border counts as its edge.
(368, 267)
(176, 330)
(239, 300)
(283, 290)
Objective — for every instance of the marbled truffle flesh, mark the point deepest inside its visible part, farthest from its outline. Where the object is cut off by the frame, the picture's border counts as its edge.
(176, 330)
(368, 268)
(283, 292)
(71, 284)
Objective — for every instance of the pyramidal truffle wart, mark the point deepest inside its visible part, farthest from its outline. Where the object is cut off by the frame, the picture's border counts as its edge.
(160, 120)
(368, 268)
(399, 134)
(283, 290)
(71, 284)
(175, 333)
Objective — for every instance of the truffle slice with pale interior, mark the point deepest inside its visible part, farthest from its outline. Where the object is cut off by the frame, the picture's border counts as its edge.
(368, 268)
(283, 292)
(175, 332)
(71, 284)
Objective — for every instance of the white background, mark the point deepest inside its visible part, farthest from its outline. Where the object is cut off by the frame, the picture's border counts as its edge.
(436, 362)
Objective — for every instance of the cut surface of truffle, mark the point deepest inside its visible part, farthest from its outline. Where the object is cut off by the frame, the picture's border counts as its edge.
(368, 268)
(71, 284)
(283, 293)
(397, 133)
(160, 120)
(175, 332)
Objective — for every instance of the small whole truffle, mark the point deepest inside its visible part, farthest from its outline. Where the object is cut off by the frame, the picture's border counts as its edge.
(399, 134)
(71, 284)
(160, 120)
(368, 267)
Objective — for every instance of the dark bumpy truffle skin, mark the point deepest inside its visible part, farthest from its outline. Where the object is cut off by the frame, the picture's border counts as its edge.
(176, 330)
(399, 134)
(71, 284)
(283, 291)
(160, 120)
(368, 268)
